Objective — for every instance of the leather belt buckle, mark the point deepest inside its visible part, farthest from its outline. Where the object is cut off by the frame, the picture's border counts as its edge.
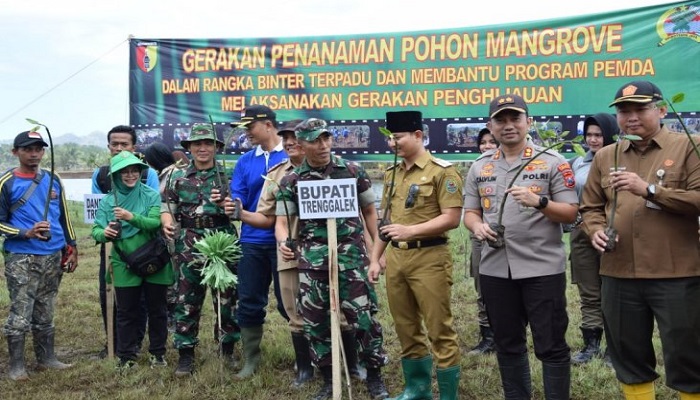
(403, 245)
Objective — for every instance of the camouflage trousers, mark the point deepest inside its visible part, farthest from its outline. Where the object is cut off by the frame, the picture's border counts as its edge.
(356, 306)
(32, 282)
(188, 310)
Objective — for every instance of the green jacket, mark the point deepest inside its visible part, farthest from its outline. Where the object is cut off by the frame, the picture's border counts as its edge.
(148, 226)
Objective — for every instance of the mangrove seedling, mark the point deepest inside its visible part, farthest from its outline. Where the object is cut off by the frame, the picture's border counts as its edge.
(558, 141)
(37, 124)
(678, 98)
(610, 230)
(386, 215)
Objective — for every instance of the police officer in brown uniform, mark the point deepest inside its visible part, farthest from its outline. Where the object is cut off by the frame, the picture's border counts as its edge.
(523, 282)
(426, 203)
(653, 274)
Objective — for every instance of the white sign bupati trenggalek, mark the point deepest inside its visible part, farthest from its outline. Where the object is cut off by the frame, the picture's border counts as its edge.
(90, 204)
(329, 198)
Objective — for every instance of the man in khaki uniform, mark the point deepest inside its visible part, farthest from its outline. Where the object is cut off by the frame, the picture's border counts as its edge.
(426, 203)
(653, 274)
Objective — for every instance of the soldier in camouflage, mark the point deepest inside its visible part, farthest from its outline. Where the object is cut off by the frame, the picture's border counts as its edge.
(187, 201)
(354, 293)
(33, 252)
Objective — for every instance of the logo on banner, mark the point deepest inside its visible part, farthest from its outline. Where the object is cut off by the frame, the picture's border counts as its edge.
(679, 22)
(146, 55)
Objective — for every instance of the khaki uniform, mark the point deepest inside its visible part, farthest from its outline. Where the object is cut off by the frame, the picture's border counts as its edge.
(653, 274)
(673, 217)
(287, 270)
(534, 244)
(419, 280)
(523, 283)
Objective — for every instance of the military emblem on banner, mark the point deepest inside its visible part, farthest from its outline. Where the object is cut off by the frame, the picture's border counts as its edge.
(679, 22)
(146, 55)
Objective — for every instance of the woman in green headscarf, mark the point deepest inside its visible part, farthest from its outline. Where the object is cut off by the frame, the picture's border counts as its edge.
(136, 207)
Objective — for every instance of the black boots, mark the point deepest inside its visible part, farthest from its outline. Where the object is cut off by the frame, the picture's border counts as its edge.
(486, 345)
(591, 349)
(375, 384)
(305, 371)
(326, 391)
(229, 356)
(15, 345)
(557, 380)
(349, 345)
(44, 351)
(515, 376)
(185, 365)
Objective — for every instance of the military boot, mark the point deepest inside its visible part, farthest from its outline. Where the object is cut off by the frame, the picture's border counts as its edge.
(375, 384)
(15, 345)
(515, 376)
(326, 391)
(591, 346)
(486, 345)
(350, 345)
(185, 365)
(305, 371)
(44, 351)
(251, 350)
(229, 355)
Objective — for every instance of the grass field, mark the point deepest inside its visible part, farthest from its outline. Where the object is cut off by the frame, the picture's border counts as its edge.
(80, 336)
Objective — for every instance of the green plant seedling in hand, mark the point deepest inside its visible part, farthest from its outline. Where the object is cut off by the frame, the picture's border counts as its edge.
(551, 141)
(610, 230)
(386, 217)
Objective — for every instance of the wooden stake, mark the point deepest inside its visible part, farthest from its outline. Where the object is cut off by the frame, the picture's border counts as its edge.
(337, 350)
(109, 292)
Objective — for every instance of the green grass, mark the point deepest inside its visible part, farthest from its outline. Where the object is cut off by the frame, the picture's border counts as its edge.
(80, 336)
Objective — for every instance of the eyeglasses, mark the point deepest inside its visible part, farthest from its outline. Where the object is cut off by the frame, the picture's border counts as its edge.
(130, 171)
(412, 194)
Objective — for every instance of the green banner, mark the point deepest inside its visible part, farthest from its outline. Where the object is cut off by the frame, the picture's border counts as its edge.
(562, 67)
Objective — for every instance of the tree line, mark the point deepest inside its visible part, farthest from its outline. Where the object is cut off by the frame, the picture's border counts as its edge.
(67, 157)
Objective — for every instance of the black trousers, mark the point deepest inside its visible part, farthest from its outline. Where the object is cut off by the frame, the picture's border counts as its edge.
(512, 304)
(630, 307)
(103, 303)
(129, 315)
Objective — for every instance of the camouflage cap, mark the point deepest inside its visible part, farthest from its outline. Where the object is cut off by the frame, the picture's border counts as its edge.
(311, 128)
(199, 132)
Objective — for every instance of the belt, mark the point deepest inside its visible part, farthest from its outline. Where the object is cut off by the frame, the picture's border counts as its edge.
(417, 244)
(205, 221)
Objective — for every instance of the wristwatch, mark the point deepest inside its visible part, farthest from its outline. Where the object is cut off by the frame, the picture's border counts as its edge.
(651, 191)
(543, 203)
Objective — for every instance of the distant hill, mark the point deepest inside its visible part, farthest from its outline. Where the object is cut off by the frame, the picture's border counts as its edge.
(96, 138)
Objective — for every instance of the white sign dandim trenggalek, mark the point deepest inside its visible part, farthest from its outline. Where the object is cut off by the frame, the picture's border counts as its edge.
(329, 198)
(90, 204)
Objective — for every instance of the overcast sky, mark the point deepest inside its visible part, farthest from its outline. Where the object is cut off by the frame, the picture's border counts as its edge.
(44, 43)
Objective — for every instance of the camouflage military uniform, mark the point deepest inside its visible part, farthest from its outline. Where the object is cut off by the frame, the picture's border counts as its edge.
(33, 282)
(353, 290)
(188, 198)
